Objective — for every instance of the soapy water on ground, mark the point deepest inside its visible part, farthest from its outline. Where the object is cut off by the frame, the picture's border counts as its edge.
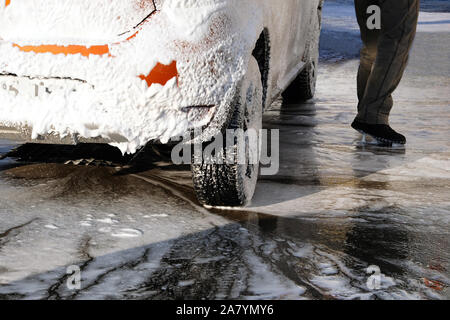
(335, 208)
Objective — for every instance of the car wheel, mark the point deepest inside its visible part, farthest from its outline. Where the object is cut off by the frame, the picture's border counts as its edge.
(303, 88)
(232, 183)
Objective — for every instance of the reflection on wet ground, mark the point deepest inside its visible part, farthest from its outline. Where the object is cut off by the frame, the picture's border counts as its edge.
(136, 231)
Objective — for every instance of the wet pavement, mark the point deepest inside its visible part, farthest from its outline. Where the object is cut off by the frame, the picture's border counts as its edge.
(335, 208)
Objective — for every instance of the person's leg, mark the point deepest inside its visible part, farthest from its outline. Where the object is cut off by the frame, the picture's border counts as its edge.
(370, 43)
(399, 22)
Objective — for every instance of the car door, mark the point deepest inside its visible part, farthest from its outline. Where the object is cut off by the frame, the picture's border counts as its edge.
(299, 34)
(290, 32)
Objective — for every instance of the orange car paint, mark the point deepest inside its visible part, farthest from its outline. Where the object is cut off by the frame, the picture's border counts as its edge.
(434, 284)
(133, 36)
(161, 74)
(71, 49)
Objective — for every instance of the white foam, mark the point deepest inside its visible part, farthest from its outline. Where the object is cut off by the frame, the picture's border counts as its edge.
(186, 283)
(127, 233)
(157, 215)
(122, 104)
(107, 221)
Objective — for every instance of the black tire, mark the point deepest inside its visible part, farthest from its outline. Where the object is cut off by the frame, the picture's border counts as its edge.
(233, 185)
(303, 88)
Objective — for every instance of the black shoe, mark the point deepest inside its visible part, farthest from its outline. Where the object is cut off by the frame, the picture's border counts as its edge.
(381, 132)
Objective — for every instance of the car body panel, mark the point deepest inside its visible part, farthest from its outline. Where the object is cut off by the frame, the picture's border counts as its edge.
(177, 69)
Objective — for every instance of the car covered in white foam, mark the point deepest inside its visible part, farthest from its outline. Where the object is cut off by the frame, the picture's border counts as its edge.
(129, 72)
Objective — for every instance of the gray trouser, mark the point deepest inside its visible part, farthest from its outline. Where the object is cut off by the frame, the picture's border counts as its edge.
(384, 55)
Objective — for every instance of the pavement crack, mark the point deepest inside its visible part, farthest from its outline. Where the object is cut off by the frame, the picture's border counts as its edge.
(127, 265)
(83, 249)
(4, 236)
(8, 231)
(285, 267)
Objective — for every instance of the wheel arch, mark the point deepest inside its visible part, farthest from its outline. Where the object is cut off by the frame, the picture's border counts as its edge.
(261, 53)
